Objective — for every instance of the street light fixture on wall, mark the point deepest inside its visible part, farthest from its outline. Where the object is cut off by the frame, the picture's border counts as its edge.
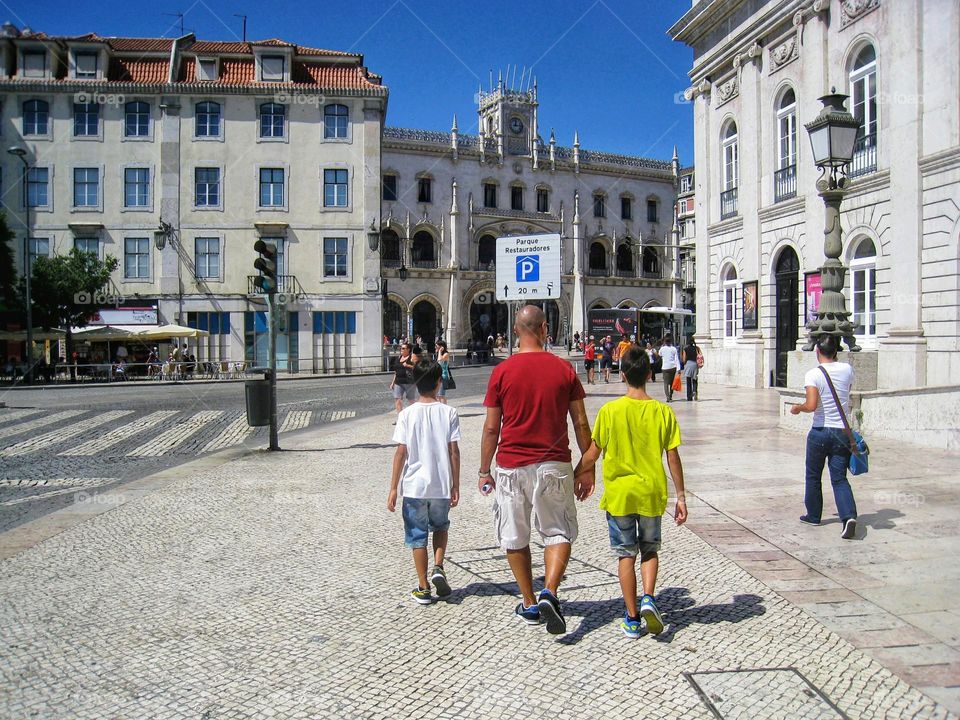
(832, 136)
(161, 236)
(21, 154)
(373, 236)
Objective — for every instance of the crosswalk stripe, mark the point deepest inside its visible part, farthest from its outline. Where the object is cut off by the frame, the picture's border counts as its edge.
(39, 422)
(82, 495)
(296, 420)
(108, 440)
(165, 441)
(59, 435)
(233, 434)
(11, 415)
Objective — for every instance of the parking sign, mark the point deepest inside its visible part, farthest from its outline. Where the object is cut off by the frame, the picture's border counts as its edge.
(528, 267)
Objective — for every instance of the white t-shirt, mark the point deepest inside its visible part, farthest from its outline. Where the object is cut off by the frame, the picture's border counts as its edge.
(826, 414)
(427, 429)
(670, 357)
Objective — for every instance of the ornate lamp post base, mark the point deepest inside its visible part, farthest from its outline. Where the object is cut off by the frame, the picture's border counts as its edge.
(833, 318)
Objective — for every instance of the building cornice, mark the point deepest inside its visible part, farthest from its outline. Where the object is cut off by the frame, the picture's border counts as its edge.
(725, 226)
(782, 209)
(869, 183)
(208, 88)
(937, 162)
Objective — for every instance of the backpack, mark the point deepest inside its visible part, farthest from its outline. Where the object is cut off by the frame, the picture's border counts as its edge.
(699, 358)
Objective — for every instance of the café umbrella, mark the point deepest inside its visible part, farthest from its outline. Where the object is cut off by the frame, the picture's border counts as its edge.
(171, 331)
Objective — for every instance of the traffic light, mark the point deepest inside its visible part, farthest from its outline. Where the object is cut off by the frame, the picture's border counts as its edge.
(267, 265)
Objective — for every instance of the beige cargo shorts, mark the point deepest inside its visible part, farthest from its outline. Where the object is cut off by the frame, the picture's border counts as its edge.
(545, 488)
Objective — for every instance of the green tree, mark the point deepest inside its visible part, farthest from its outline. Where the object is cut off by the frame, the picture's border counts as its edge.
(63, 288)
(9, 299)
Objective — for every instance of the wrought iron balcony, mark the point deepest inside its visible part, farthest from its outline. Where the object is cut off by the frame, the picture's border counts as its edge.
(391, 262)
(430, 264)
(626, 272)
(864, 158)
(728, 203)
(285, 284)
(785, 183)
(598, 272)
(651, 274)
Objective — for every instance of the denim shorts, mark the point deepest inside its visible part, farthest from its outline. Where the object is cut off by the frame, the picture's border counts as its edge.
(633, 534)
(422, 516)
(408, 391)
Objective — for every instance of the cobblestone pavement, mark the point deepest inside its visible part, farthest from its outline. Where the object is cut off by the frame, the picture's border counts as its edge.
(109, 435)
(276, 585)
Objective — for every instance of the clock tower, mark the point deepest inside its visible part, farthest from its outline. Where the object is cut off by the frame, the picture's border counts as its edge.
(508, 116)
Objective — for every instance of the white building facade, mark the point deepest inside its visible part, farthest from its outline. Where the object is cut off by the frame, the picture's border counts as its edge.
(223, 143)
(758, 70)
(448, 196)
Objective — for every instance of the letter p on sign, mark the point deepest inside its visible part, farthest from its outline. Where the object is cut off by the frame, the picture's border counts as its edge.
(528, 268)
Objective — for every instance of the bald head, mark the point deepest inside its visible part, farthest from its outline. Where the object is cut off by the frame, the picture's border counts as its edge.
(529, 321)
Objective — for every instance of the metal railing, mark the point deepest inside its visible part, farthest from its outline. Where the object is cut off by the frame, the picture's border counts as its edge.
(785, 183)
(728, 203)
(651, 274)
(285, 284)
(430, 264)
(625, 272)
(391, 262)
(864, 158)
(485, 266)
(598, 272)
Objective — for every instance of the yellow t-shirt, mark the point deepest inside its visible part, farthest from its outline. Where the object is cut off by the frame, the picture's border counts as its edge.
(622, 347)
(633, 435)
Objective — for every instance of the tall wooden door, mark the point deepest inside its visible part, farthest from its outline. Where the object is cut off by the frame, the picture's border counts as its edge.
(788, 311)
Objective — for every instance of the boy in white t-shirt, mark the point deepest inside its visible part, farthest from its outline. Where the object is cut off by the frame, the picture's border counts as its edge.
(426, 474)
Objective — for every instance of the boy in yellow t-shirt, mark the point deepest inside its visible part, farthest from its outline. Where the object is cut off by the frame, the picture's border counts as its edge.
(633, 432)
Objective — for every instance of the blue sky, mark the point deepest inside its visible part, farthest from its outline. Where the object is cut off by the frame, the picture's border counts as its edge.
(605, 67)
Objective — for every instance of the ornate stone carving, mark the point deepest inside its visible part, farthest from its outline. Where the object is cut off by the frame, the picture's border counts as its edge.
(784, 53)
(851, 10)
(728, 90)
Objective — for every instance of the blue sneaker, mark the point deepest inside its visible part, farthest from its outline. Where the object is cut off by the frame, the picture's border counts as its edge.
(631, 626)
(530, 615)
(550, 611)
(650, 614)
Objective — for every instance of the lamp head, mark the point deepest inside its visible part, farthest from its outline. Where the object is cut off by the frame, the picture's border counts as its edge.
(18, 151)
(833, 133)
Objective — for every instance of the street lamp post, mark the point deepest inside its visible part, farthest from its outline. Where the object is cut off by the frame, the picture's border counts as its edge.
(833, 134)
(21, 154)
(164, 233)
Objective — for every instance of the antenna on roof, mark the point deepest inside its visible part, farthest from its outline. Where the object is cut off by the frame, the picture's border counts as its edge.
(244, 25)
(180, 16)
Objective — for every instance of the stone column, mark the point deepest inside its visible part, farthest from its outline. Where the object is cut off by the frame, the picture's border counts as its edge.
(169, 130)
(579, 309)
(453, 300)
(703, 193)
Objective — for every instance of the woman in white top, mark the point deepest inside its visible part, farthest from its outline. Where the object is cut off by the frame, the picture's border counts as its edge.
(827, 441)
(671, 363)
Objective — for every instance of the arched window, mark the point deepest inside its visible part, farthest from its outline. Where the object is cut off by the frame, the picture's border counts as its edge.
(272, 120)
(598, 258)
(208, 119)
(390, 248)
(785, 179)
(651, 263)
(393, 324)
(423, 250)
(335, 121)
(863, 91)
(36, 117)
(486, 252)
(730, 152)
(136, 116)
(863, 285)
(625, 259)
(730, 285)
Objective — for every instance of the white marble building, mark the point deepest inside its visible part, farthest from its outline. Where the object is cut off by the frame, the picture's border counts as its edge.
(758, 70)
(447, 196)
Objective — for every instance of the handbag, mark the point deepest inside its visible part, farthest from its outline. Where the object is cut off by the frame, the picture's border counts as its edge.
(449, 382)
(859, 450)
(700, 360)
(677, 383)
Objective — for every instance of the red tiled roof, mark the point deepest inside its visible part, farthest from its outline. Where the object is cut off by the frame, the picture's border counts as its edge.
(332, 76)
(216, 46)
(140, 44)
(142, 70)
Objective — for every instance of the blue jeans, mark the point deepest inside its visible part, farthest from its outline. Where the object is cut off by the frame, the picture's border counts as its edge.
(828, 445)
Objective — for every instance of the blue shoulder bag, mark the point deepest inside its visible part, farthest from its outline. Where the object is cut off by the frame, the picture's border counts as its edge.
(859, 450)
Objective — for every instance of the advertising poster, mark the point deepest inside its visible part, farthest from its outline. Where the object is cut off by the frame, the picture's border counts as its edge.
(613, 322)
(750, 316)
(811, 294)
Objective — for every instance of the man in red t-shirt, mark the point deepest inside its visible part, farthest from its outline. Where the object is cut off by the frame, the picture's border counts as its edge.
(528, 399)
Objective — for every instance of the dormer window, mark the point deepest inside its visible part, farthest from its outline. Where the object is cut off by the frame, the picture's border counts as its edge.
(85, 65)
(207, 69)
(272, 68)
(34, 64)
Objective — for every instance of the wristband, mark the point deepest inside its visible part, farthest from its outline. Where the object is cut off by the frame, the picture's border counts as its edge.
(485, 474)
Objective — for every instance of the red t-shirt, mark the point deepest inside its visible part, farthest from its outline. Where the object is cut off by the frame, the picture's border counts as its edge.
(590, 353)
(533, 391)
